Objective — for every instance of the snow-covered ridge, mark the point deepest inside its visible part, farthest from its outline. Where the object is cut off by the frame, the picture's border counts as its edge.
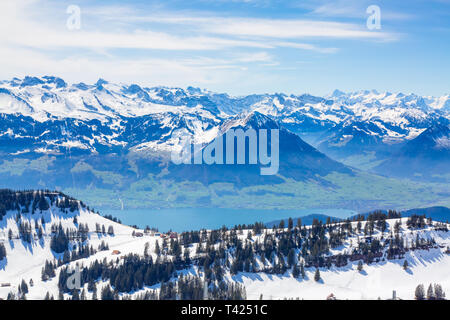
(46, 97)
(141, 119)
(42, 97)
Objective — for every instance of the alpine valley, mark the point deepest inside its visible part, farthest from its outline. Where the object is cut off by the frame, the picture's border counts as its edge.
(109, 144)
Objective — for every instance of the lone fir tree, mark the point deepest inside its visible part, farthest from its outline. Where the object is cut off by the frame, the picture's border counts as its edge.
(360, 266)
(317, 275)
(420, 292)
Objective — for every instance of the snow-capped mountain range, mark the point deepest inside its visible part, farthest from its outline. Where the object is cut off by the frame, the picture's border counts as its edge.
(118, 137)
(106, 135)
(107, 116)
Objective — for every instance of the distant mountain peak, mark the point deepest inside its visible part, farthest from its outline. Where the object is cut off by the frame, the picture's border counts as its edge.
(337, 93)
(31, 81)
(254, 120)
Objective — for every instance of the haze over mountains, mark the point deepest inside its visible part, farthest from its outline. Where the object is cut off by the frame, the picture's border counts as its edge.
(112, 136)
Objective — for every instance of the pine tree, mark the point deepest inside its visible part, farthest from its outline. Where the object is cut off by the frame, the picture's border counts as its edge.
(405, 265)
(40, 232)
(83, 295)
(430, 293)
(111, 230)
(420, 292)
(295, 272)
(317, 275)
(291, 257)
(23, 287)
(360, 266)
(438, 292)
(2, 251)
(94, 292)
(107, 293)
(11, 296)
(290, 224)
(76, 294)
(43, 204)
(146, 246)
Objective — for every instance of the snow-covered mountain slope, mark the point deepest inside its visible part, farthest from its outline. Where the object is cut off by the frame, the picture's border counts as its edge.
(296, 159)
(27, 233)
(428, 265)
(49, 116)
(396, 116)
(374, 282)
(380, 120)
(47, 97)
(356, 259)
(427, 156)
(435, 141)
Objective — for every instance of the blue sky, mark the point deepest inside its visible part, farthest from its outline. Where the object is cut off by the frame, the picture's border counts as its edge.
(234, 46)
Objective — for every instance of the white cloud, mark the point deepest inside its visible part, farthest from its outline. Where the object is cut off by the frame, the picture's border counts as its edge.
(197, 71)
(268, 28)
(162, 49)
(350, 9)
(209, 33)
(289, 29)
(306, 46)
(24, 31)
(178, 72)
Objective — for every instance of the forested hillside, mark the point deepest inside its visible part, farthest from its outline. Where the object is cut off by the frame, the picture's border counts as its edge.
(47, 236)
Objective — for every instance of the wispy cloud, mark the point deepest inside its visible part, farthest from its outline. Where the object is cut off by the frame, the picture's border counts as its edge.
(205, 33)
(267, 28)
(160, 44)
(350, 9)
(23, 30)
(306, 46)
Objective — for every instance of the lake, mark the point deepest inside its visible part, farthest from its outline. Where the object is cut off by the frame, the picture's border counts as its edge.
(186, 219)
